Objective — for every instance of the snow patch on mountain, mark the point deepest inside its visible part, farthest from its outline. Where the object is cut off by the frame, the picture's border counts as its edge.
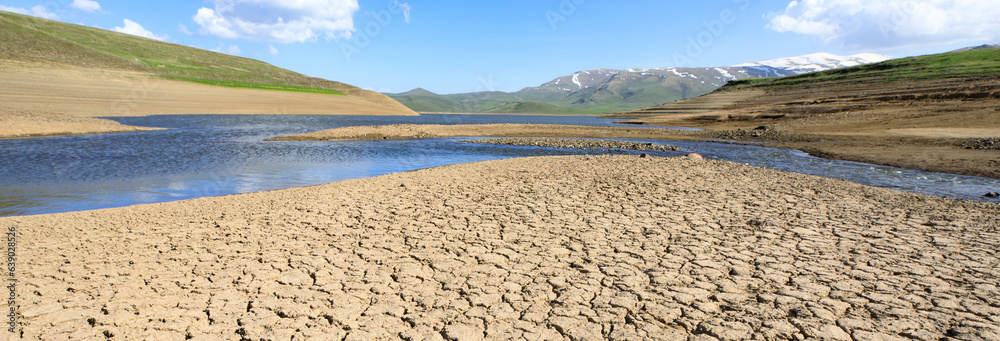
(725, 73)
(819, 62)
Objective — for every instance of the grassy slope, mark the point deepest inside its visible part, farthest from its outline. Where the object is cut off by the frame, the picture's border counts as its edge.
(968, 64)
(30, 39)
(530, 108)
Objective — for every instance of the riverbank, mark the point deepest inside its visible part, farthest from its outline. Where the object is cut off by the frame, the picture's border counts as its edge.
(942, 154)
(539, 248)
(21, 124)
(415, 131)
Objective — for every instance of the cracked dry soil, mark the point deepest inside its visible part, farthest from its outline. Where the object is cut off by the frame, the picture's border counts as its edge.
(545, 248)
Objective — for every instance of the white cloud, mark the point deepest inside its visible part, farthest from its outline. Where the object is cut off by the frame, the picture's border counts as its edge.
(133, 28)
(184, 29)
(274, 51)
(232, 49)
(406, 10)
(37, 11)
(890, 24)
(278, 20)
(86, 5)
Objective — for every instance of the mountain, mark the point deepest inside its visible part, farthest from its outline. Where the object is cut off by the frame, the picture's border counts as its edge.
(819, 62)
(897, 81)
(39, 41)
(980, 47)
(601, 91)
(933, 112)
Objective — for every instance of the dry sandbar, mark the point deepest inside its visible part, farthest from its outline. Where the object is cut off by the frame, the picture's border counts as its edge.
(23, 124)
(544, 248)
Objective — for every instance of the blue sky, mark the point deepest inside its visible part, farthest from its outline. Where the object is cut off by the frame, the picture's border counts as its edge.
(453, 47)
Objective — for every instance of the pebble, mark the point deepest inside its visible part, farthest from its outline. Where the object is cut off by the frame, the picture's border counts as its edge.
(983, 144)
(576, 144)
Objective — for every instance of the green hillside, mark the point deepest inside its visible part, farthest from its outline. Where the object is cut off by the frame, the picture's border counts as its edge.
(593, 92)
(975, 63)
(529, 108)
(30, 39)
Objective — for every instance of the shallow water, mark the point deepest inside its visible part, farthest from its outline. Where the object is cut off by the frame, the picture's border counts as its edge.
(211, 155)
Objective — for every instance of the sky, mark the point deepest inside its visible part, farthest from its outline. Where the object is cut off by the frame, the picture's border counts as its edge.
(485, 45)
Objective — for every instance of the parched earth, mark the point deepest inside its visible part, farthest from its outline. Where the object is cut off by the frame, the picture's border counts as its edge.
(545, 248)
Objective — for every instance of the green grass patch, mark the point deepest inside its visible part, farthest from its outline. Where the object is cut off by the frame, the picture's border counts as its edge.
(262, 86)
(950, 65)
(30, 39)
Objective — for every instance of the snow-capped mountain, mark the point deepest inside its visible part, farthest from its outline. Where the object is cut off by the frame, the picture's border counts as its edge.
(610, 90)
(713, 77)
(819, 62)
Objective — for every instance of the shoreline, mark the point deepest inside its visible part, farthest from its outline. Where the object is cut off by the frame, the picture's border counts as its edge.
(540, 247)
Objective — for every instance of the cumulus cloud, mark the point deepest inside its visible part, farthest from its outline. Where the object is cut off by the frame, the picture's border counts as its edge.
(278, 20)
(37, 11)
(274, 51)
(231, 49)
(133, 28)
(184, 29)
(86, 5)
(889, 24)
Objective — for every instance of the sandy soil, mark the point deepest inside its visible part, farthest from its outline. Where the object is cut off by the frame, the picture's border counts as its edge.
(547, 248)
(920, 125)
(21, 124)
(85, 92)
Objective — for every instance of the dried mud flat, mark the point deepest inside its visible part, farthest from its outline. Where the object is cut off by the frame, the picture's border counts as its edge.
(546, 248)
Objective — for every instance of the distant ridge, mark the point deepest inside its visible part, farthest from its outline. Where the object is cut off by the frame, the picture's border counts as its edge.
(418, 92)
(980, 47)
(601, 91)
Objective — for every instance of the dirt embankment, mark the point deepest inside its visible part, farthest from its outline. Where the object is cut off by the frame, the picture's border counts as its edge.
(926, 125)
(554, 248)
(48, 89)
(95, 92)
